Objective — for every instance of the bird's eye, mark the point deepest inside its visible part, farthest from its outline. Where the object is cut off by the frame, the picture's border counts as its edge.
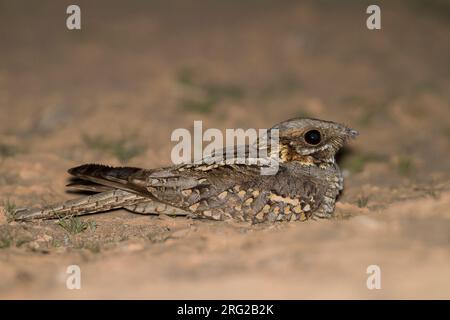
(313, 137)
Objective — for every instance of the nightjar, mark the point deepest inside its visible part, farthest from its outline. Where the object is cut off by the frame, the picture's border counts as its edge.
(306, 184)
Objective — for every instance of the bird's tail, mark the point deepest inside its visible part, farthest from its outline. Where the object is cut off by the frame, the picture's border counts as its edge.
(99, 202)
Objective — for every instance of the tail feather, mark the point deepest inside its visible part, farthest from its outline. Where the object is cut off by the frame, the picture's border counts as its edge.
(99, 202)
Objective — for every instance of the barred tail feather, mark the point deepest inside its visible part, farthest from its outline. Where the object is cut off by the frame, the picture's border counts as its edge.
(99, 202)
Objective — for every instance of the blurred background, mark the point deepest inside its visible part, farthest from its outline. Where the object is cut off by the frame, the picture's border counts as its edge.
(114, 91)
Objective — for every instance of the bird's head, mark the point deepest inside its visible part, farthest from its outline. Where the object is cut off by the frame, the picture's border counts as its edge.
(311, 141)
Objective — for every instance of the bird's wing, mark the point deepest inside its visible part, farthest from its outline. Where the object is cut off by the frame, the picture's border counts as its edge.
(180, 185)
(107, 177)
(235, 189)
(219, 170)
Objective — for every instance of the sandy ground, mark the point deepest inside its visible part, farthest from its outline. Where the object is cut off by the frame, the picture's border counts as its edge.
(114, 91)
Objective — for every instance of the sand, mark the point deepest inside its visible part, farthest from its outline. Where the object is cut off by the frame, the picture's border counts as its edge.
(113, 93)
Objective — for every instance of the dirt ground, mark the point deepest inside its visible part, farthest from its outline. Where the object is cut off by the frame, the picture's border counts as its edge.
(113, 92)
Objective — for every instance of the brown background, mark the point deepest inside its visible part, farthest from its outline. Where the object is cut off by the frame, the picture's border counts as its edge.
(114, 91)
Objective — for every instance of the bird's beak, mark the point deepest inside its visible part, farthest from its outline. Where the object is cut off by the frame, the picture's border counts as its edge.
(352, 133)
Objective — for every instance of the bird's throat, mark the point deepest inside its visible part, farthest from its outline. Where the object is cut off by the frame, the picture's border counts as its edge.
(289, 154)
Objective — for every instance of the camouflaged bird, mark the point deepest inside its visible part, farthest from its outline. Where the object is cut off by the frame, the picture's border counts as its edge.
(306, 184)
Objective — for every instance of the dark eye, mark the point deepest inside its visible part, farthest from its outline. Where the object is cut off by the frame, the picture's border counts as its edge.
(313, 137)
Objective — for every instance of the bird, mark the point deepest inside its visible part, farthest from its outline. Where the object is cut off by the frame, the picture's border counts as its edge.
(305, 185)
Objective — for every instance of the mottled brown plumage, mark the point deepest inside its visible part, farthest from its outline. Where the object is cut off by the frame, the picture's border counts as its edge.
(306, 184)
